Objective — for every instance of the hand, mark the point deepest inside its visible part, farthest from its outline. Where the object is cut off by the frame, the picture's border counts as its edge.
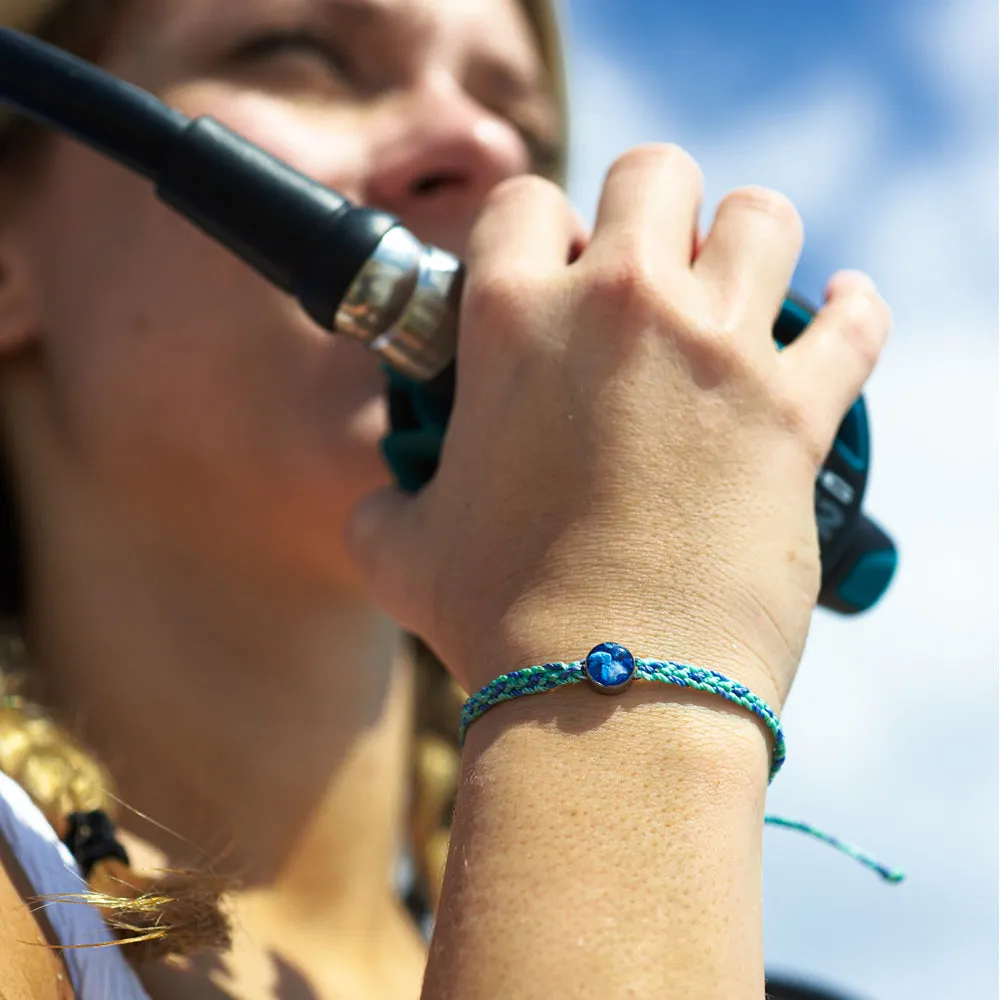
(629, 457)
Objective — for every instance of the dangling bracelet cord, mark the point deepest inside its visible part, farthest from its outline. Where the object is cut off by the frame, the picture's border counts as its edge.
(610, 668)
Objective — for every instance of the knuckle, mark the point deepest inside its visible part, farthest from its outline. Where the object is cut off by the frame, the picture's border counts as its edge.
(814, 443)
(497, 296)
(633, 293)
(796, 414)
(793, 413)
(713, 346)
(628, 285)
(817, 439)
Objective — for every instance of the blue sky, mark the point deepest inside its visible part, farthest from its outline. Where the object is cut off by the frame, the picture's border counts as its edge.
(880, 120)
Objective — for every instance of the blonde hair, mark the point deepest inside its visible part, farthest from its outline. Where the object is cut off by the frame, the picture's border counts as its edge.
(177, 913)
(24, 15)
(158, 914)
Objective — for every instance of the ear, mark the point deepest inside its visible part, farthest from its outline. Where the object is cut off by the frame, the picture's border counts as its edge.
(19, 299)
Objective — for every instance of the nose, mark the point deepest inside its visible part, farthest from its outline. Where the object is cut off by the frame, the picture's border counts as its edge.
(439, 154)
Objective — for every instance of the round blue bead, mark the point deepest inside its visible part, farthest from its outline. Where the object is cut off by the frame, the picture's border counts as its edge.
(609, 667)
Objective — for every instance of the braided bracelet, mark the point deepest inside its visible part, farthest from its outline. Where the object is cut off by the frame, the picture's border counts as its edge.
(610, 669)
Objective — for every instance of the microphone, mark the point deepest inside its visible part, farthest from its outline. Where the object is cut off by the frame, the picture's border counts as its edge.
(357, 271)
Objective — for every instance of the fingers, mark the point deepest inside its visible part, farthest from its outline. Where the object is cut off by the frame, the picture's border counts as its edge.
(830, 362)
(748, 258)
(379, 536)
(650, 202)
(525, 222)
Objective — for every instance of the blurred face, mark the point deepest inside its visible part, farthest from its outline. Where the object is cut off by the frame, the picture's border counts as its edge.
(181, 388)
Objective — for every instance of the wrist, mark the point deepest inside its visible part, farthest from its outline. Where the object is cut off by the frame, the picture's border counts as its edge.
(660, 725)
(740, 692)
(630, 827)
(753, 657)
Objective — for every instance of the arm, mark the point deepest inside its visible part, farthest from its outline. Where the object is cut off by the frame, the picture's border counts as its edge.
(29, 969)
(606, 851)
(629, 460)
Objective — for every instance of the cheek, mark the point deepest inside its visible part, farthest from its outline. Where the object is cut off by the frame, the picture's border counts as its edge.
(326, 142)
(184, 380)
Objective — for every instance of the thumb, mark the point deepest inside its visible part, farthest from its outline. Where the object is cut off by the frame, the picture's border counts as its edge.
(380, 540)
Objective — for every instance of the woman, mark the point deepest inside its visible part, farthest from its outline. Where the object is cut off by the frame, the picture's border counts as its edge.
(216, 569)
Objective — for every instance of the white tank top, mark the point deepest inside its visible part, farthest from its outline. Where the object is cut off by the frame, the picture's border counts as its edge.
(96, 973)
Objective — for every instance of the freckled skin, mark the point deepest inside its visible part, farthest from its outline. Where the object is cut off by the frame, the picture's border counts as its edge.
(230, 438)
(29, 969)
(182, 382)
(189, 445)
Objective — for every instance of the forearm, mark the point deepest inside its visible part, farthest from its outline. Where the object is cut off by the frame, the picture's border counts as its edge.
(606, 847)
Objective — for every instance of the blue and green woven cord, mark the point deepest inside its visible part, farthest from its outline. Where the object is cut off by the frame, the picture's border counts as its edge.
(611, 668)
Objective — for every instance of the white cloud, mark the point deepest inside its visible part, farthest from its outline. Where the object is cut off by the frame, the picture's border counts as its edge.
(932, 238)
(817, 148)
(892, 725)
(932, 243)
(611, 113)
(924, 225)
(957, 44)
(892, 722)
